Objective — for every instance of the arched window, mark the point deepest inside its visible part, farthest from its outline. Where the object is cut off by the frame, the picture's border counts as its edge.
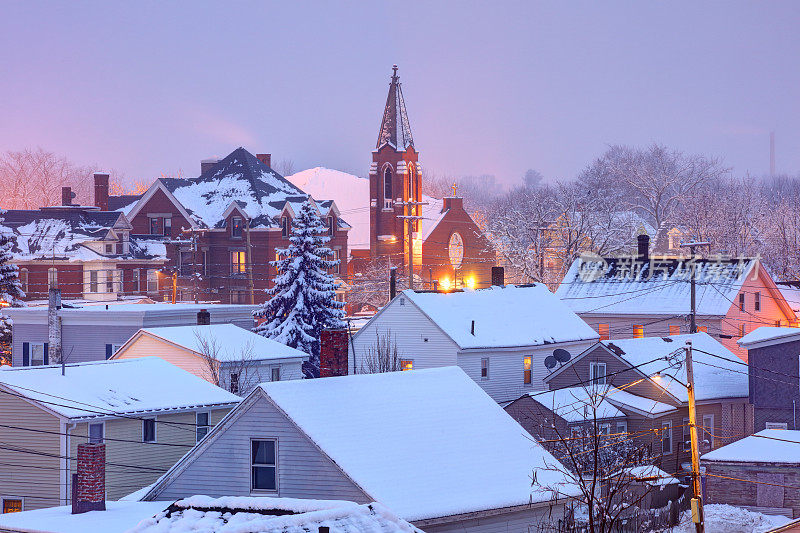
(387, 184)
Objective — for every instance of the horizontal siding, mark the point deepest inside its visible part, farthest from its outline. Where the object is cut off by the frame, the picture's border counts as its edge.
(408, 328)
(80, 342)
(254, 372)
(147, 346)
(223, 468)
(528, 520)
(156, 458)
(34, 478)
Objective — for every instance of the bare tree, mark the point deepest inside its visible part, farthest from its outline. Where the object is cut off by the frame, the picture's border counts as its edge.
(236, 372)
(370, 287)
(32, 178)
(285, 167)
(381, 356)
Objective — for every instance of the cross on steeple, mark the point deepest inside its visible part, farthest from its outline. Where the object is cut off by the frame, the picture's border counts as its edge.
(454, 189)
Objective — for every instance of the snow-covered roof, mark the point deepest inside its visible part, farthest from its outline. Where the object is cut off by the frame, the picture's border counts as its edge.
(265, 514)
(723, 376)
(352, 197)
(232, 341)
(767, 446)
(240, 178)
(577, 404)
(649, 474)
(111, 388)
(616, 286)
(768, 333)
(626, 400)
(426, 443)
(153, 309)
(791, 292)
(118, 517)
(504, 316)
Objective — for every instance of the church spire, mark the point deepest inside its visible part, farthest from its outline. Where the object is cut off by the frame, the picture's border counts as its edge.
(395, 129)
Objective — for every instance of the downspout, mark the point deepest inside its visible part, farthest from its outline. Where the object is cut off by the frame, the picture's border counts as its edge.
(67, 488)
(794, 415)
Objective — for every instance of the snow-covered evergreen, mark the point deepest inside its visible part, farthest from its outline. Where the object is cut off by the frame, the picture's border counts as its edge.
(302, 301)
(10, 287)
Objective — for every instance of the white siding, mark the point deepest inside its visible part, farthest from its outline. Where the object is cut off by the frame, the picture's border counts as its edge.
(258, 372)
(223, 468)
(408, 328)
(535, 519)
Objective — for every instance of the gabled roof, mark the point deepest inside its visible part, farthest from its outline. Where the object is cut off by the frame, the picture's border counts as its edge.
(232, 341)
(118, 517)
(612, 286)
(395, 129)
(426, 443)
(263, 514)
(504, 317)
(112, 388)
(767, 446)
(766, 335)
(603, 402)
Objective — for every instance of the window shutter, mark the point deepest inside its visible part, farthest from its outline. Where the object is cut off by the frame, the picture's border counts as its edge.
(46, 354)
(26, 354)
(109, 351)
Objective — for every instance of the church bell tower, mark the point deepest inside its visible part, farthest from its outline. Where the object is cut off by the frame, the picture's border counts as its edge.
(395, 180)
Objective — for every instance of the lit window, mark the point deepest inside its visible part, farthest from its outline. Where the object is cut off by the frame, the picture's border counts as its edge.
(485, 368)
(96, 433)
(704, 329)
(149, 430)
(236, 227)
(12, 506)
(742, 330)
(674, 330)
(93, 281)
(597, 373)
(638, 332)
(406, 364)
(757, 301)
(201, 425)
(741, 301)
(666, 437)
(238, 262)
(526, 369)
(52, 278)
(263, 465)
(109, 281)
(605, 331)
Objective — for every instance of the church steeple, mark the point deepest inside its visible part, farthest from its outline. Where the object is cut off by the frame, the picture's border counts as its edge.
(395, 129)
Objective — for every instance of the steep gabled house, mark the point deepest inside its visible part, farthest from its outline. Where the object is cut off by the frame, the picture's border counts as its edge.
(643, 296)
(653, 368)
(85, 252)
(499, 336)
(222, 228)
(428, 444)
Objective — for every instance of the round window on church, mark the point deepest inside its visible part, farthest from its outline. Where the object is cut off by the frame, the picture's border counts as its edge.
(455, 249)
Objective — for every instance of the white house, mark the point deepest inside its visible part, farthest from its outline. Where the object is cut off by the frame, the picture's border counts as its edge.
(499, 336)
(232, 357)
(428, 444)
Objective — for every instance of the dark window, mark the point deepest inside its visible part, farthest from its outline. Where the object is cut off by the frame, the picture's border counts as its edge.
(330, 226)
(284, 227)
(234, 383)
(485, 368)
(96, 433)
(93, 281)
(236, 227)
(109, 248)
(155, 227)
(202, 425)
(276, 374)
(167, 226)
(187, 263)
(263, 465)
(757, 301)
(387, 184)
(148, 430)
(741, 301)
(109, 281)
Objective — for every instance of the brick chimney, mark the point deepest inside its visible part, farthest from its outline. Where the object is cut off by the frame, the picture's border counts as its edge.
(203, 317)
(451, 202)
(67, 195)
(498, 276)
(206, 164)
(643, 242)
(101, 191)
(89, 482)
(333, 353)
(265, 158)
(54, 326)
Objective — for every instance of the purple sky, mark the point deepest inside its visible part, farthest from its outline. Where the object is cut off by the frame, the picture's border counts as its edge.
(151, 87)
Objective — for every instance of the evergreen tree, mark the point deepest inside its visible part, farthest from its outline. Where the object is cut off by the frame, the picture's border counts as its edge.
(10, 288)
(302, 301)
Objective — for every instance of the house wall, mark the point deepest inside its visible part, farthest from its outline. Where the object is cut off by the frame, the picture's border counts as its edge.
(158, 203)
(70, 278)
(621, 326)
(753, 492)
(79, 342)
(222, 468)
(533, 519)
(775, 395)
(147, 346)
(144, 462)
(30, 468)
(255, 372)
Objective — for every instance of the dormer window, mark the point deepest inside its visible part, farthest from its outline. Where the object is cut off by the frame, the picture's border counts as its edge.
(330, 226)
(284, 227)
(236, 227)
(109, 249)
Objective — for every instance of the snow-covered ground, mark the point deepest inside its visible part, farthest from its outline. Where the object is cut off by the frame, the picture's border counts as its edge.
(730, 519)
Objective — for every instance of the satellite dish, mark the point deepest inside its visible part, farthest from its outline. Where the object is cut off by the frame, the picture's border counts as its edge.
(550, 362)
(561, 355)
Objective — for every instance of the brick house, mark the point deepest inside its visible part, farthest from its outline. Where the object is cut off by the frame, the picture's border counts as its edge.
(766, 472)
(774, 367)
(642, 296)
(222, 229)
(640, 366)
(87, 252)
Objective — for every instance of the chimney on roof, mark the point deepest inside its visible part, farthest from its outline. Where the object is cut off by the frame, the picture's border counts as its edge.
(67, 195)
(203, 318)
(265, 158)
(89, 481)
(643, 242)
(332, 353)
(101, 190)
(54, 325)
(498, 276)
(206, 164)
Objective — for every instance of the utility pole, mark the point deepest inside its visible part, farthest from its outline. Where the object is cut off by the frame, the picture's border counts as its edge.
(249, 262)
(194, 265)
(175, 287)
(693, 288)
(697, 501)
(410, 218)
